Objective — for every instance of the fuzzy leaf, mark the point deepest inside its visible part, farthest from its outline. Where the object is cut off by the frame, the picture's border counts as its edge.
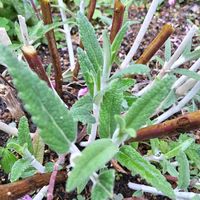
(184, 171)
(18, 169)
(93, 158)
(7, 160)
(56, 124)
(144, 107)
(168, 50)
(38, 148)
(132, 160)
(111, 106)
(194, 156)
(90, 42)
(87, 69)
(103, 189)
(118, 40)
(132, 69)
(24, 134)
(82, 110)
(181, 147)
(188, 73)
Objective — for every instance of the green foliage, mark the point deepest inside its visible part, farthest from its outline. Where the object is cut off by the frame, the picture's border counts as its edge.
(92, 158)
(184, 171)
(57, 127)
(82, 110)
(24, 134)
(103, 189)
(132, 160)
(132, 69)
(18, 169)
(186, 72)
(7, 159)
(90, 42)
(111, 106)
(144, 107)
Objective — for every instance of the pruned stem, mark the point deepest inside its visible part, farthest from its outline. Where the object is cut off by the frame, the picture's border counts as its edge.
(35, 63)
(47, 19)
(13, 191)
(141, 34)
(4, 38)
(181, 124)
(12, 131)
(40, 195)
(91, 9)
(156, 44)
(119, 9)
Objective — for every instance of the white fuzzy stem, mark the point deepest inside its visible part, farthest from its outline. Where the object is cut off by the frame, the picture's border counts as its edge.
(82, 6)
(24, 30)
(182, 79)
(41, 194)
(4, 38)
(152, 190)
(12, 131)
(67, 35)
(172, 60)
(180, 105)
(37, 165)
(141, 33)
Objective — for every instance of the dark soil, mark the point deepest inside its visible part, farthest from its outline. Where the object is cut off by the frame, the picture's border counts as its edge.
(178, 16)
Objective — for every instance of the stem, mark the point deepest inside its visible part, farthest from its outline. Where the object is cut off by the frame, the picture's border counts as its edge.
(35, 63)
(67, 35)
(40, 195)
(119, 9)
(141, 34)
(8, 129)
(152, 190)
(184, 123)
(37, 165)
(172, 60)
(24, 30)
(4, 38)
(35, 9)
(156, 44)
(91, 9)
(52, 181)
(82, 6)
(180, 105)
(47, 18)
(20, 188)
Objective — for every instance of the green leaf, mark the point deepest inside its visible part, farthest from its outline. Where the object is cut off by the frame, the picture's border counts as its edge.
(118, 40)
(38, 148)
(188, 73)
(24, 134)
(103, 189)
(194, 156)
(90, 42)
(18, 169)
(182, 147)
(168, 50)
(82, 110)
(184, 171)
(168, 167)
(111, 106)
(87, 69)
(170, 100)
(57, 127)
(7, 159)
(132, 160)
(93, 158)
(130, 70)
(145, 106)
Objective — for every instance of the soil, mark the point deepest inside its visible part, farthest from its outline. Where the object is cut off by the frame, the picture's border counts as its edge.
(178, 16)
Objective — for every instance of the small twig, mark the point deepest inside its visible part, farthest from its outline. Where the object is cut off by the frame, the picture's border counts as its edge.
(67, 35)
(4, 38)
(91, 9)
(141, 34)
(119, 9)
(53, 177)
(156, 44)
(8, 129)
(13, 191)
(35, 63)
(47, 18)
(35, 9)
(185, 123)
(152, 190)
